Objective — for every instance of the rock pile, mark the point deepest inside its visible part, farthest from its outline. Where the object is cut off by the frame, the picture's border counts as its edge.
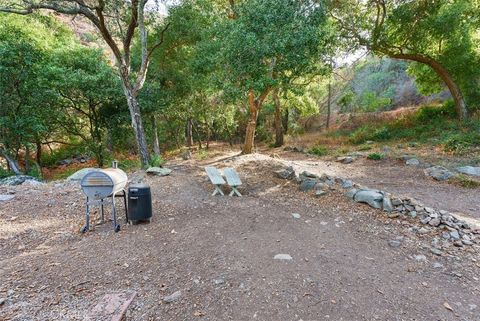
(452, 229)
(19, 180)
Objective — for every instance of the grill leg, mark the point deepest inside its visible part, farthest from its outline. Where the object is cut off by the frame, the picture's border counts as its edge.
(103, 214)
(116, 226)
(87, 219)
(125, 203)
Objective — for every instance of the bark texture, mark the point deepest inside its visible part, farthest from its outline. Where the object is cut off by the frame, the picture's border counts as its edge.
(254, 105)
(279, 132)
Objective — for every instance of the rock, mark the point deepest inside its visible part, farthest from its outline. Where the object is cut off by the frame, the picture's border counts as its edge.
(158, 171)
(186, 155)
(437, 265)
(78, 175)
(412, 162)
(172, 297)
(425, 220)
(319, 192)
(4, 198)
(345, 159)
(469, 170)
(436, 251)
(371, 197)
(19, 180)
(420, 258)
(296, 215)
(395, 243)
(307, 185)
(346, 183)
(351, 193)
(412, 214)
(406, 157)
(434, 222)
(423, 230)
(2, 301)
(307, 174)
(396, 201)
(322, 187)
(454, 235)
(439, 173)
(387, 205)
(429, 210)
(446, 235)
(283, 257)
(67, 161)
(467, 242)
(287, 173)
(219, 281)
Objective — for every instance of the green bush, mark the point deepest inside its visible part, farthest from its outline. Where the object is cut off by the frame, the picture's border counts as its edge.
(429, 113)
(375, 156)
(157, 161)
(318, 150)
(4, 173)
(202, 154)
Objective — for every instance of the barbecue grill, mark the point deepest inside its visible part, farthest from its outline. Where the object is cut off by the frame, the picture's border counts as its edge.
(101, 187)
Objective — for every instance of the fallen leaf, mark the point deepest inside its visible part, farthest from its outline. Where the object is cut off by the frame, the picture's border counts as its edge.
(447, 306)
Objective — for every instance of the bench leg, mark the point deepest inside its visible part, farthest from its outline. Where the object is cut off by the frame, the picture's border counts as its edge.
(235, 192)
(218, 190)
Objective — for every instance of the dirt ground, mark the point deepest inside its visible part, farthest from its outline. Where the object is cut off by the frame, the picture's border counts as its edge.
(219, 252)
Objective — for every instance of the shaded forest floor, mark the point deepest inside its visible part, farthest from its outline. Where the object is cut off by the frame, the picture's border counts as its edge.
(219, 252)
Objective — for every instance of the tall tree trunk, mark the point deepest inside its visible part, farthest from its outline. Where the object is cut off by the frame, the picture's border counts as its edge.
(252, 124)
(285, 120)
(38, 155)
(137, 127)
(254, 106)
(278, 119)
(460, 105)
(156, 142)
(189, 133)
(329, 103)
(27, 159)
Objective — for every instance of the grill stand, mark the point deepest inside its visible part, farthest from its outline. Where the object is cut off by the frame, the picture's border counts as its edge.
(103, 202)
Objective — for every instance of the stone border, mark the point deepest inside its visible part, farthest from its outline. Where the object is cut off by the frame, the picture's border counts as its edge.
(454, 230)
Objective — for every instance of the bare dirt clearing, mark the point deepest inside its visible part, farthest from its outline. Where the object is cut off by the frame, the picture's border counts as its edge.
(219, 253)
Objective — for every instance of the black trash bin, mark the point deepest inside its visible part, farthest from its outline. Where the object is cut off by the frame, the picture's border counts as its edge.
(139, 203)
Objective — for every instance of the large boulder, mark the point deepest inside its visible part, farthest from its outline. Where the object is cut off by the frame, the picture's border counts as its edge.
(469, 170)
(439, 173)
(19, 180)
(371, 197)
(158, 171)
(79, 175)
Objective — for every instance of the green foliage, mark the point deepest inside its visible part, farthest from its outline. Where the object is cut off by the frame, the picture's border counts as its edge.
(268, 43)
(318, 150)
(202, 154)
(427, 123)
(4, 173)
(465, 181)
(375, 156)
(157, 161)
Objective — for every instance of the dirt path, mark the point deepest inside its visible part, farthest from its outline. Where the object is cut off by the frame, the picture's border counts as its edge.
(218, 251)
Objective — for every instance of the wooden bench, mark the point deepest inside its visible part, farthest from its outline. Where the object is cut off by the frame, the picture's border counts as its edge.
(233, 180)
(216, 179)
(111, 307)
